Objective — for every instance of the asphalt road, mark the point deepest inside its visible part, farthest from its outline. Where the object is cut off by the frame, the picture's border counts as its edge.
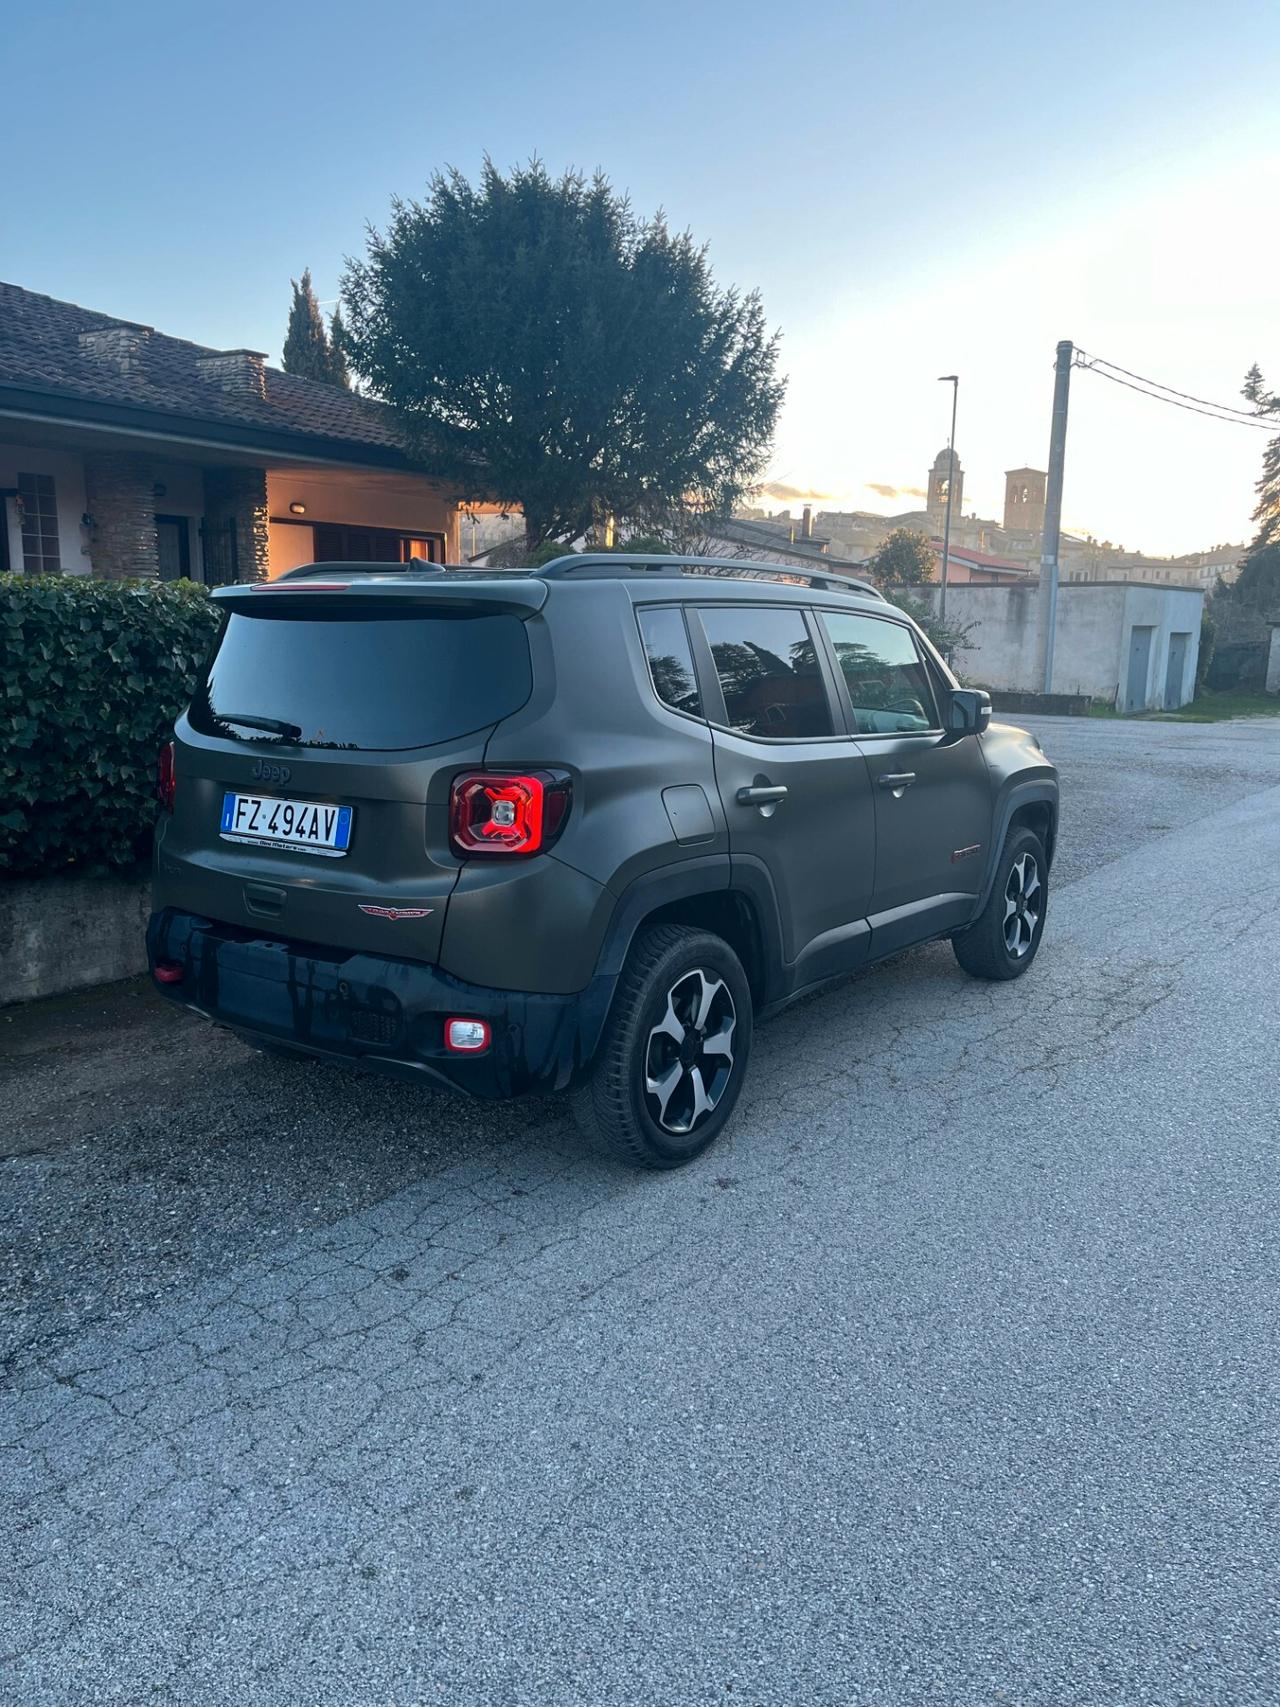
(950, 1377)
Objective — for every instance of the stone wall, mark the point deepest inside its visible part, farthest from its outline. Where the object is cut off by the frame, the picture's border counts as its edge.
(65, 933)
(1091, 646)
(119, 497)
(239, 496)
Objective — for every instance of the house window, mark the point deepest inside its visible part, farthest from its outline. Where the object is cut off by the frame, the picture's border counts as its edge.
(39, 524)
(341, 544)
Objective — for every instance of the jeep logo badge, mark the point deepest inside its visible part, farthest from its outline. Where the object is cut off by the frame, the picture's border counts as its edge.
(264, 772)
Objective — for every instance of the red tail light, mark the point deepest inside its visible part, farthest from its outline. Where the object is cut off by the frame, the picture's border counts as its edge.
(506, 812)
(166, 776)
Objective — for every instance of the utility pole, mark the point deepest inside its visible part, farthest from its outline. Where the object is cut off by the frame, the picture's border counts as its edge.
(1049, 544)
(953, 380)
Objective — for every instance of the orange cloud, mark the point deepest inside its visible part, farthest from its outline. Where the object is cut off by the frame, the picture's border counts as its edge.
(777, 489)
(895, 491)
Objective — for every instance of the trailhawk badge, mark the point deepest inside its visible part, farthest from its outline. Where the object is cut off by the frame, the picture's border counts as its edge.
(394, 912)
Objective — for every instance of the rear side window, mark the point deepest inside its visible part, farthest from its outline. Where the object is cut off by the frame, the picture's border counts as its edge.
(666, 645)
(768, 669)
(376, 682)
(887, 681)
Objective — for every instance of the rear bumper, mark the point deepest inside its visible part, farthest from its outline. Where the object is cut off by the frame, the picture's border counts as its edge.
(371, 1011)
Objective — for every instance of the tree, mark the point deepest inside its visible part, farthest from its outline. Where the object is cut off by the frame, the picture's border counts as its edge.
(906, 559)
(306, 348)
(1258, 583)
(338, 369)
(546, 348)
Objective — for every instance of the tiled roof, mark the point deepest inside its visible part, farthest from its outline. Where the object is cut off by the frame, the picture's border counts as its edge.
(981, 559)
(40, 350)
(768, 535)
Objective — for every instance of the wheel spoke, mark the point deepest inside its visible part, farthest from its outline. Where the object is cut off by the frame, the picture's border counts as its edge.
(702, 1103)
(669, 1025)
(1032, 885)
(720, 1042)
(664, 1088)
(710, 990)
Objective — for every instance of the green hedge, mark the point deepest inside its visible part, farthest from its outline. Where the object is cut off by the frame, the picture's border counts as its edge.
(92, 676)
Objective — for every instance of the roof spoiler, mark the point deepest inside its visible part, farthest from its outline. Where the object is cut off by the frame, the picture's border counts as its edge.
(335, 585)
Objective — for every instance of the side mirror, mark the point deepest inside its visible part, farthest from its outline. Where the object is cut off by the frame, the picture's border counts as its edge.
(970, 711)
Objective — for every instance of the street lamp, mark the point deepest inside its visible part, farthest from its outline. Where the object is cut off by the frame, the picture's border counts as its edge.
(953, 380)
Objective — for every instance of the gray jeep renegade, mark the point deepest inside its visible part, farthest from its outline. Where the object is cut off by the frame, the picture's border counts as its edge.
(579, 828)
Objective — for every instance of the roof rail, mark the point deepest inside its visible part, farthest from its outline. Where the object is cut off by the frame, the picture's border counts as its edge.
(608, 563)
(415, 566)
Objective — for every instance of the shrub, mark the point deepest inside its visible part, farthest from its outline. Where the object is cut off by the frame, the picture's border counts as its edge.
(92, 676)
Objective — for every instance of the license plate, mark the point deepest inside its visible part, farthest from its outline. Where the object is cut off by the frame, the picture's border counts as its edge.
(310, 826)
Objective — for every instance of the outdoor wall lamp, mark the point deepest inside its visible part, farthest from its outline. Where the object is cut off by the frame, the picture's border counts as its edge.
(296, 509)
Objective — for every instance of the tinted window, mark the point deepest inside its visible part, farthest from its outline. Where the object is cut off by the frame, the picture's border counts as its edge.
(666, 644)
(769, 672)
(377, 682)
(887, 682)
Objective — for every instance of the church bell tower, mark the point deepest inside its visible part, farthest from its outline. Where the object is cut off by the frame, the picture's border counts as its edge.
(939, 479)
(1024, 490)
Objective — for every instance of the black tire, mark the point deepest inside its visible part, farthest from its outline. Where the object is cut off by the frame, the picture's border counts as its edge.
(612, 1105)
(984, 949)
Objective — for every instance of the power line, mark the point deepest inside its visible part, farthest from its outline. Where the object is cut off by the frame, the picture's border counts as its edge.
(1215, 411)
(1189, 396)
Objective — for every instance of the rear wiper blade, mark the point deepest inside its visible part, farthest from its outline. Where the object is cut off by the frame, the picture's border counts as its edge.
(271, 725)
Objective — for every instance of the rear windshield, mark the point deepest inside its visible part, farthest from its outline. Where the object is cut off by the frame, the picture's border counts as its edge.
(379, 682)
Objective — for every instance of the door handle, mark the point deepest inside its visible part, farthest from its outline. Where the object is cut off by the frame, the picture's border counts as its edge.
(761, 796)
(896, 780)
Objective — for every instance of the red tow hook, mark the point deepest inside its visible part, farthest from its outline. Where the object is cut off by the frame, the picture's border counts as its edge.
(168, 972)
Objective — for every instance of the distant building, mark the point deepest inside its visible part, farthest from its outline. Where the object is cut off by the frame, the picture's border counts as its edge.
(946, 466)
(1011, 545)
(778, 540)
(966, 566)
(1024, 496)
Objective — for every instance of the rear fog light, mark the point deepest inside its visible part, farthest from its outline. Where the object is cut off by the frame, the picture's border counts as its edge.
(467, 1036)
(168, 972)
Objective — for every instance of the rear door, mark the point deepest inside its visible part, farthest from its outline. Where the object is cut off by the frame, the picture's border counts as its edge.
(346, 718)
(793, 784)
(932, 790)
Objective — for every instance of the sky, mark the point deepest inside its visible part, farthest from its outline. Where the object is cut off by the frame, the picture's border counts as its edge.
(914, 188)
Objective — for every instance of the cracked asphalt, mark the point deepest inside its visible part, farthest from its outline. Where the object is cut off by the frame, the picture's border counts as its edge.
(950, 1377)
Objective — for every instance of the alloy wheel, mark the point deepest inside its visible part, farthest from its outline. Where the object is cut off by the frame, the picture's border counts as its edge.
(1023, 903)
(688, 1058)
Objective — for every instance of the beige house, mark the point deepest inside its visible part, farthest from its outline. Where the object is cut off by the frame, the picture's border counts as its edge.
(126, 453)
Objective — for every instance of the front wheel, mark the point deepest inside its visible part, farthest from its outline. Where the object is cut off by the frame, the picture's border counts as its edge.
(1002, 941)
(674, 1050)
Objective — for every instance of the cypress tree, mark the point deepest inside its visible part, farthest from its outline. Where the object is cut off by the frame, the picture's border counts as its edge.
(1259, 580)
(306, 348)
(339, 372)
